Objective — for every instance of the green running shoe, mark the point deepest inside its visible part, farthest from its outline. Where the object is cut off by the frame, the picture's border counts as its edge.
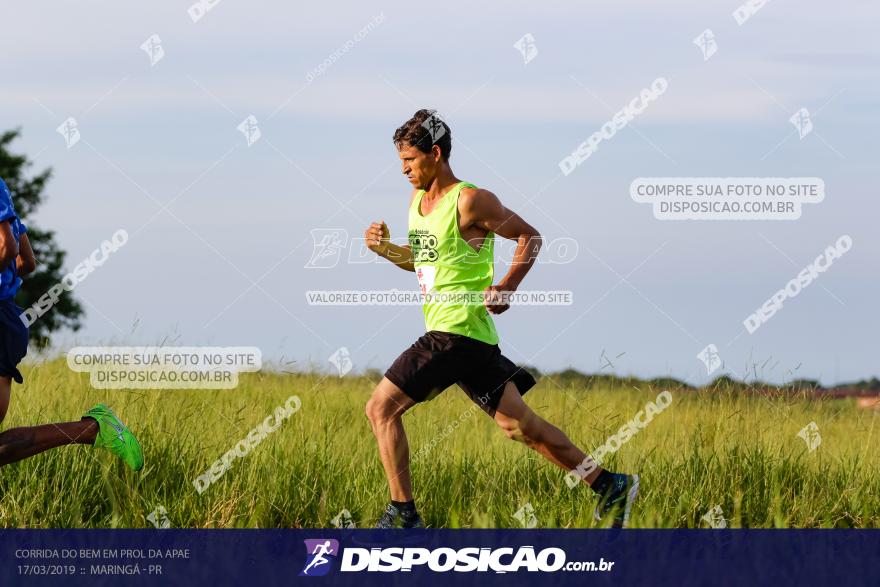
(115, 437)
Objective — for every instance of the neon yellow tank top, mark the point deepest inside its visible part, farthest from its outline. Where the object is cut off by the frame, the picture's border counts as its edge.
(446, 263)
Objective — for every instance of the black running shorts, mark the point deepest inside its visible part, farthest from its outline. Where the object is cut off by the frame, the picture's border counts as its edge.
(439, 359)
(13, 339)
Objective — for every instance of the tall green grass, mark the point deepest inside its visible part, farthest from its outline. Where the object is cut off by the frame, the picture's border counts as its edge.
(741, 453)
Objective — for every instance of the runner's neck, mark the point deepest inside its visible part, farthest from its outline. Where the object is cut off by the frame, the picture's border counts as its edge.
(439, 188)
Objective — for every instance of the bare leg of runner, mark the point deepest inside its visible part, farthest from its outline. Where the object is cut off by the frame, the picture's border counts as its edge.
(385, 411)
(20, 443)
(520, 423)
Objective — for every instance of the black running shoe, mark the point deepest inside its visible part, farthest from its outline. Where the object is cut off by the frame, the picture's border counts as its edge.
(394, 518)
(618, 500)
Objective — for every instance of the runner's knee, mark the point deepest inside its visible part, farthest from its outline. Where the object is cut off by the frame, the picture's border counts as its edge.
(371, 409)
(513, 432)
(526, 430)
(513, 429)
(380, 409)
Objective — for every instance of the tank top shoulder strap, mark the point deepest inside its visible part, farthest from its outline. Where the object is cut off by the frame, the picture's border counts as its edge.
(417, 199)
(461, 186)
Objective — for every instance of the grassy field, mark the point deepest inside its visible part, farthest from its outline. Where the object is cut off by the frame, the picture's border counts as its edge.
(708, 449)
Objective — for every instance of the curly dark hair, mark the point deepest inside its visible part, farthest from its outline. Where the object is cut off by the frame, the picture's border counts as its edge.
(424, 130)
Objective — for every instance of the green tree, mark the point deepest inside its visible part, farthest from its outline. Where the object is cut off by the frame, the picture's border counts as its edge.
(28, 193)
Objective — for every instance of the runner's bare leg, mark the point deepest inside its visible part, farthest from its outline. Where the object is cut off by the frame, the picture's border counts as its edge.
(520, 423)
(20, 443)
(385, 411)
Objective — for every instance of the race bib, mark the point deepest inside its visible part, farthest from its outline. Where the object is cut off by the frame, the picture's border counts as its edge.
(426, 275)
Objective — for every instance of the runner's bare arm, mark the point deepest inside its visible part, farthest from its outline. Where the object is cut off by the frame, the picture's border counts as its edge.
(378, 240)
(8, 246)
(482, 208)
(25, 262)
(401, 256)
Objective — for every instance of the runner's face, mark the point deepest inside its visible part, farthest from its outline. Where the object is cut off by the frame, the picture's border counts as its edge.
(418, 167)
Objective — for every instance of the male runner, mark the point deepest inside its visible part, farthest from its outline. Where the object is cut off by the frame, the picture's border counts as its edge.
(452, 226)
(99, 426)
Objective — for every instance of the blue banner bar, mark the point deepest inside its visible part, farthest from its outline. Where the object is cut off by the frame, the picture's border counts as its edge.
(436, 557)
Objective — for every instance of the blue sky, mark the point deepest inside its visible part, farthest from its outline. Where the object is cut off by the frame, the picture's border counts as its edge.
(241, 214)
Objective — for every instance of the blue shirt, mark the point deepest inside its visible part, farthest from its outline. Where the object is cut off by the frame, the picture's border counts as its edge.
(9, 279)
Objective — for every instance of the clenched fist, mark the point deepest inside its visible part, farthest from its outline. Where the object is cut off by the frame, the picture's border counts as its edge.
(377, 237)
(496, 298)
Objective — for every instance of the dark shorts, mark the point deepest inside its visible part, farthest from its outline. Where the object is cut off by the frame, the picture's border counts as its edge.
(13, 340)
(439, 359)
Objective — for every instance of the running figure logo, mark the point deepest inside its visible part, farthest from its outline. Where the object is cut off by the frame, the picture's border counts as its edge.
(527, 48)
(328, 245)
(317, 563)
(250, 128)
(710, 358)
(69, 129)
(707, 44)
(434, 125)
(153, 48)
(802, 122)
